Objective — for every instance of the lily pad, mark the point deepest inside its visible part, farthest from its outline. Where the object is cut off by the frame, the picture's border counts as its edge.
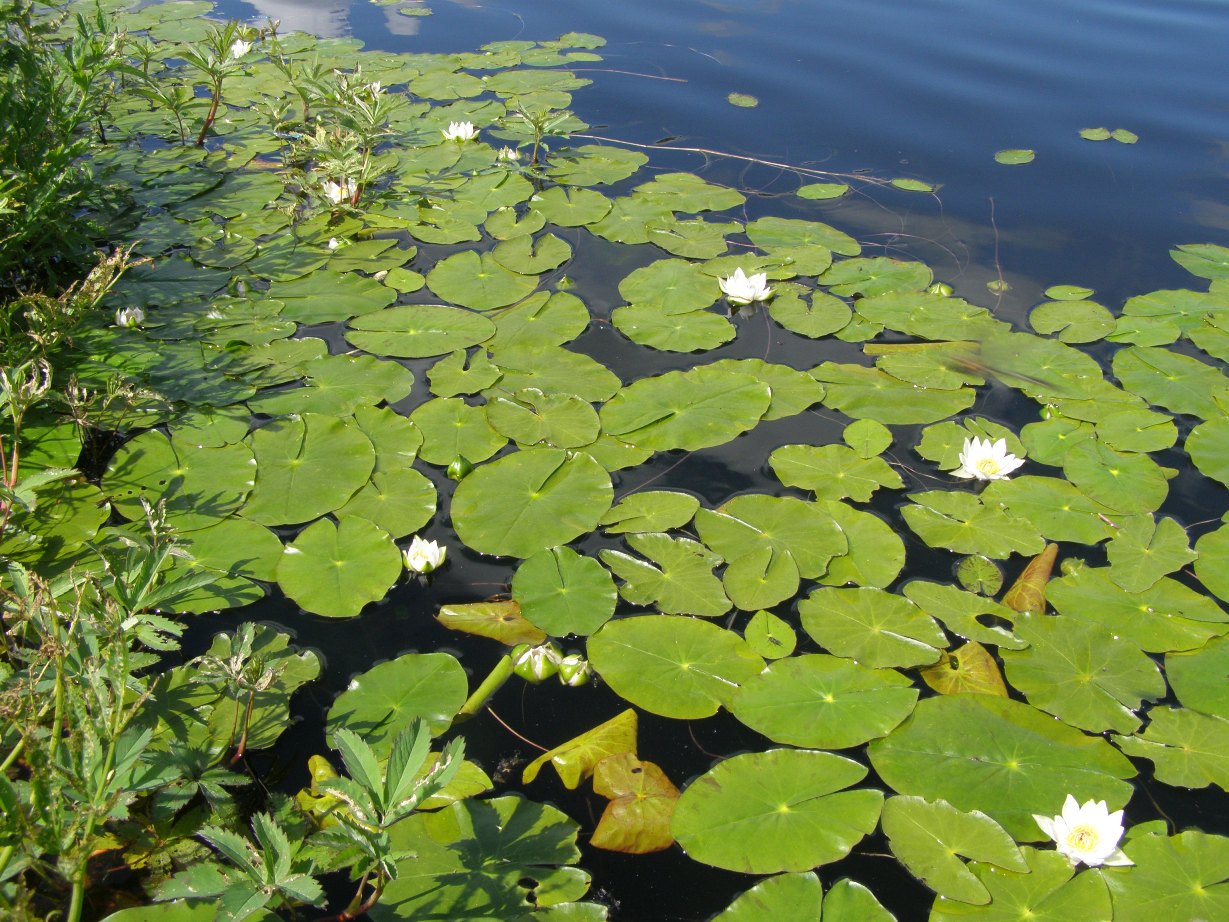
(642, 799)
(529, 501)
(824, 702)
(418, 330)
(872, 627)
(1174, 877)
(336, 570)
(478, 281)
(384, 700)
(563, 593)
(653, 510)
(672, 666)
(780, 810)
(682, 582)
(1001, 757)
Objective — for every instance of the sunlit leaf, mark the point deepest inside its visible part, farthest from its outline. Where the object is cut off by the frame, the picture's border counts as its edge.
(642, 799)
(576, 759)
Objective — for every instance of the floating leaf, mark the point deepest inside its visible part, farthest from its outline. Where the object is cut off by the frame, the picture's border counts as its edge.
(914, 185)
(530, 417)
(832, 471)
(1123, 136)
(824, 315)
(1001, 757)
(783, 898)
(1144, 550)
(973, 617)
(681, 583)
(689, 410)
(529, 501)
(967, 670)
(576, 759)
(453, 429)
(504, 858)
(1073, 321)
(863, 392)
(872, 627)
(384, 700)
(653, 510)
(1200, 678)
(1095, 134)
(563, 593)
(780, 810)
(1068, 292)
(477, 281)
(980, 574)
(823, 190)
(1049, 891)
(1081, 673)
(335, 570)
(1187, 749)
(963, 523)
(399, 501)
(672, 666)
(501, 621)
(1015, 156)
(770, 636)
(876, 553)
(742, 100)
(1174, 877)
(306, 467)
(824, 702)
(1028, 592)
(1208, 448)
(1176, 382)
(927, 837)
(642, 799)
(418, 330)
(1206, 260)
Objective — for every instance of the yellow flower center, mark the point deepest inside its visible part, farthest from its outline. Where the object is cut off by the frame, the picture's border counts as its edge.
(988, 466)
(1082, 838)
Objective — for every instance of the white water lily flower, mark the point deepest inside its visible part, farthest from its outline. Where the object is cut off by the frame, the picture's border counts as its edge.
(130, 317)
(338, 192)
(507, 153)
(981, 459)
(741, 288)
(423, 556)
(1087, 834)
(460, 131)
(239, 48)
(334, 243)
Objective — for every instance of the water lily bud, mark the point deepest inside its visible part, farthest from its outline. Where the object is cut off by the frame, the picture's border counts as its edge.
(129, 317)
(239, 48)
(534, 664)
(422, 557)
(574, 670)
(459, 469)
(941, 288)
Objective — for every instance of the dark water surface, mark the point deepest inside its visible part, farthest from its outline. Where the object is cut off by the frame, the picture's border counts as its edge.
(917, 88)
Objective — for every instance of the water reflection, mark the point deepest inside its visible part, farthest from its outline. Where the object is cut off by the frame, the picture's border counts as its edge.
(331, 18)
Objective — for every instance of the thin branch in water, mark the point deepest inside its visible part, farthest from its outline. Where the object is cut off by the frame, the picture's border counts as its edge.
(490, 710)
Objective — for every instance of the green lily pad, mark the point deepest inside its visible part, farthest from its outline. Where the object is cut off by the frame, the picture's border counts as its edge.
(395, 438)
(1001, 757)
(1174, 877)
(506, 858)
(1176, 382)
(780, 810)
(963, 523)
(872, 627)
(962, 613)
(1015, 157)
(235, 545)
(1049, 891)
(563, 593)
(824, 702)
(1082, 673)
(1053, 507)
(554, 371)
(528, 256)
(653, 510)
(1137, 430)
(529, 501)
(823, 315)
(1144, 550)
(199, 486)
(453, 429)
(693, 331)
(876, 553)
(594, 164)
(769, 636)
(927, 837)
(1200, 678)
(478, 281)
(672, 666)
(783, 898)
(1073, 321)
(530, 417)
(399, 501)
(870, 393)
(742, 100)
(335, 570)
(914, 185)
(1208, 447)
(458, 374)
(384, 700)
(793, 391)
(501, 621)
(832, 471)
(823, 190)
(568, 206)
(1167, 617)
(980, 574)
(418, 330)
(682, 582)
(1186, 748)
(1206, 260)
(686, 409)
(306, 467)
(337, 385)
(772, 233)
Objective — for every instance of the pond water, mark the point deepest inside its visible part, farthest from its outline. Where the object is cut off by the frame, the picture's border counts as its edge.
(925, 89)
